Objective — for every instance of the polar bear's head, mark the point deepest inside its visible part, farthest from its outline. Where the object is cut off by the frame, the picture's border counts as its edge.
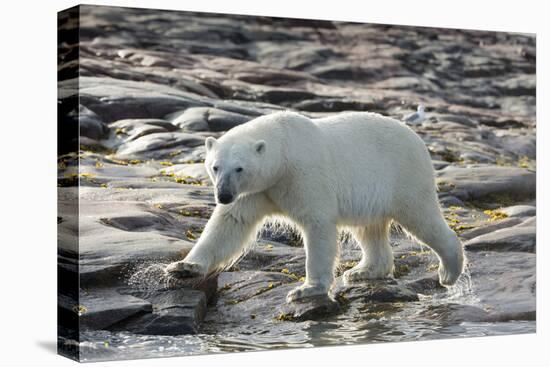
(236, 166)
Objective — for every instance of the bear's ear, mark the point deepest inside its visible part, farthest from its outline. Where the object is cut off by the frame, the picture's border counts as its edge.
(259, 147)
(209, 143)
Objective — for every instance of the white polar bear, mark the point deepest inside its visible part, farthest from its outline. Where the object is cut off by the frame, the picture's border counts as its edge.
(355, 170)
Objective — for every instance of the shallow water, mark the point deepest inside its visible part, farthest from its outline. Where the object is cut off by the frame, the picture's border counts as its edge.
(104, 345)
(390, 322)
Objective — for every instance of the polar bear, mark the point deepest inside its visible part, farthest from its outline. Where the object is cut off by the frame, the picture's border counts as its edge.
(354, 170)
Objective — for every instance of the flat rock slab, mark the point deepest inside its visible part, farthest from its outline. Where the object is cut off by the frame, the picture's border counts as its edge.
(109, 173)
(174, 312)
(487, 182)
(386, 290)
(261, 296)
(507, 239)
(158, 145)
(490, 227)
(504, 283)
(183, 194)
(115, 99)
(193, 170)
(529, 222)
(237, 287)
(111, 243)
(102, 308)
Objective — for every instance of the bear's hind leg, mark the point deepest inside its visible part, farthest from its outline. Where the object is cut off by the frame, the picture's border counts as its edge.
(377, 259)
(426, 223)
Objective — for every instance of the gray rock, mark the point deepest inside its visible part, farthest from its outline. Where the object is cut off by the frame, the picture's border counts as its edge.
(274, 256)
(115, 99)
(247, 108)
(175, 312)
(476, 157)
(520, 85)
(490, 227)
(335, 105)
(192, 119)
(89, 144)
(504, 283)
(449, 200)
(426, 285)
(158, 145)
(507, 239)
(209, 119)
(520, 145)
(101, 308)
(308, 309)
(520, 211)
(438, 164)
(343, 70)
(529, 222)
(296, 56)
(285, 95)
(241, 286)
(106, 172)
(90, 124)
(523, 106)
(132, 129)
(416, 83)
(375, 291)
(246, 295)
(463, 120)
(193, 170)
(487, 182)
(111, 244)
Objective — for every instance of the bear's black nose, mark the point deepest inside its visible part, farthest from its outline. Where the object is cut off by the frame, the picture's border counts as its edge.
(225, 198)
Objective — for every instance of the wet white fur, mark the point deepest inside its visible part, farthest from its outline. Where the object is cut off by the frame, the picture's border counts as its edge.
(357, 170)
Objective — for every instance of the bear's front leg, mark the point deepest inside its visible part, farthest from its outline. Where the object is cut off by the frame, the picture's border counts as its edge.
(224, 238)
(321, 250)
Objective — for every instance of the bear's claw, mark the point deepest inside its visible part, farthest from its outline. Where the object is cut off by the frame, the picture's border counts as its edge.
(182, 270)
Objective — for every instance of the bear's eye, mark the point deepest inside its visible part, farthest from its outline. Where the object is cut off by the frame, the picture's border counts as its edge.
(215, 168)
(239, 169)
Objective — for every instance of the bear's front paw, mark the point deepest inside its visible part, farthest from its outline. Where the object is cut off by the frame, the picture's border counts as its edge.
(182, 269)
(306, 291)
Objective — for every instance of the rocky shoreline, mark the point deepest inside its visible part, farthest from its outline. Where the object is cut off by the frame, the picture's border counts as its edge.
(148, 88)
